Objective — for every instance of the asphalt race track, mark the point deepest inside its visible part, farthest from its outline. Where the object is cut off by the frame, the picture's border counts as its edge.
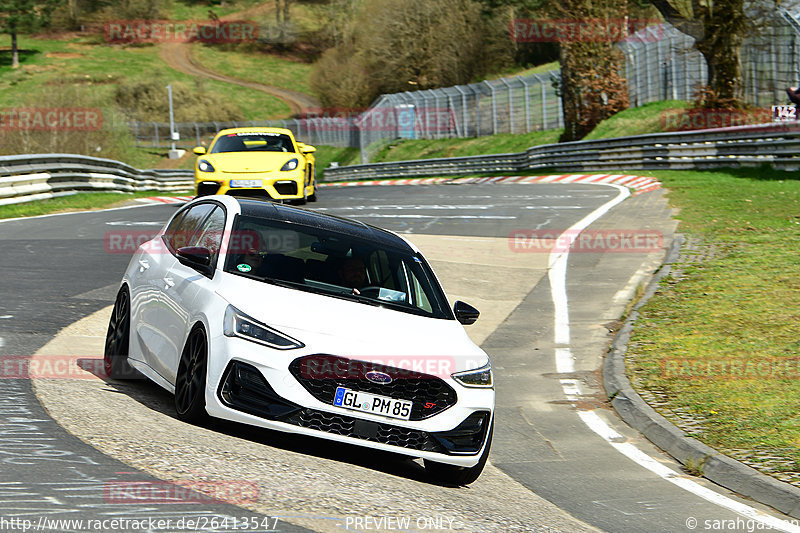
(67, 444)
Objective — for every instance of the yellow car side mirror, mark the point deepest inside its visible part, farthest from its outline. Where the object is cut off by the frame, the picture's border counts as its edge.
(199, 150)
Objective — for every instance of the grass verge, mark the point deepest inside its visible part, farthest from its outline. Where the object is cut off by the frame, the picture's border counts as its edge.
(636, 121)
(716, 349)
(96, 68)
(402, 150)
(255, 66)
(75, 202)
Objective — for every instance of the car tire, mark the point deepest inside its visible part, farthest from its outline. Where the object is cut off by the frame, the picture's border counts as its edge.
(190, 381)
(115, 354)
(457, 476)
(304, 199)
(313, 197)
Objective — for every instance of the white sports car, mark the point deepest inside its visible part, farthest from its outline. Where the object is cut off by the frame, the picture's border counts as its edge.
(306, 323)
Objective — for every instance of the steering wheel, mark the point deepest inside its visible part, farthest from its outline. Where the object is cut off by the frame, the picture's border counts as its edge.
(371, 290)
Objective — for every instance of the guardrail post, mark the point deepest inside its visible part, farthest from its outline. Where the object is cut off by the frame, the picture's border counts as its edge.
(156, 144)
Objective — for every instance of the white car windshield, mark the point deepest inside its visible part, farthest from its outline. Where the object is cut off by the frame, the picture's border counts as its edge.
(334, 264)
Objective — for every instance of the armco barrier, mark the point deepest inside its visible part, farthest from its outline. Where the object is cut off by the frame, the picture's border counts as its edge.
(777, 145)
(24, 178)
(31, 177)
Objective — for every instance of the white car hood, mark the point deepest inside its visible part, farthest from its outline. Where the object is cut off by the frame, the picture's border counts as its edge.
(340, 327)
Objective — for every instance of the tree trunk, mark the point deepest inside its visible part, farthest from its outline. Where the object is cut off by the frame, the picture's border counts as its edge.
(718, 28)
(14, 50)
(721, 47)
(569, 96)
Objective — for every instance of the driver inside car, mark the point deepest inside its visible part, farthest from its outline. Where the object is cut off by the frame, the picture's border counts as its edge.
(352, 273)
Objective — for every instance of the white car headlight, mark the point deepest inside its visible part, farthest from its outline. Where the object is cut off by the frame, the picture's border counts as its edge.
(238, 324)
(290, 165)
(482, 377)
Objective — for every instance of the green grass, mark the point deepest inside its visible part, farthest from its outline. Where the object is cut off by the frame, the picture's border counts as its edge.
(496, 144)
(186, 10)
(75, 202)
(645, 119)
(96, 68)
(539, 69)
(344, 156)
(637, 120)
(734, 303)
(255, 66)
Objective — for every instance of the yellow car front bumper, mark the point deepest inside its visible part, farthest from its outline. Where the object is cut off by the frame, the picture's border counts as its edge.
(289, 186)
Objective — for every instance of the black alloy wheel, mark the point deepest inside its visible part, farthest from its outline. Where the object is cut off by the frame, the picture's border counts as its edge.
(115, 355)
(190, 383)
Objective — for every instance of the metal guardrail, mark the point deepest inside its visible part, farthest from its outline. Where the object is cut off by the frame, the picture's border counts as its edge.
(24, 178)
(777, 145)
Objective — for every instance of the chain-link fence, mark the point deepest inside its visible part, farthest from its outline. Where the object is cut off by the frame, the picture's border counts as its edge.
(660, 62)
(507, 105)
(326, 131)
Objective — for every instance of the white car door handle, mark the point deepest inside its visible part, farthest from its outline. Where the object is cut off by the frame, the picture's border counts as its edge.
(169, 283)
(143, 265)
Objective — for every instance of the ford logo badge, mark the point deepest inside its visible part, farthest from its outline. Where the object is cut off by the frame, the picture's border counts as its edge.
(378, 377)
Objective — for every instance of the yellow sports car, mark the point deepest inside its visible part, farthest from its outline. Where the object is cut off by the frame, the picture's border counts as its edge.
(258, 163)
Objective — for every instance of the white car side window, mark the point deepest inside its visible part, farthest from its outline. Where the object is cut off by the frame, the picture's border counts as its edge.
(210, 234)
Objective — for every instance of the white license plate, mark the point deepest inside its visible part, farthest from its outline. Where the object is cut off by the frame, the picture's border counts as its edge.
(247, 183)
(372, 403)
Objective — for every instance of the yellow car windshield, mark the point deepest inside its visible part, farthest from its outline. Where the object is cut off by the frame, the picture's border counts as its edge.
(253, 142)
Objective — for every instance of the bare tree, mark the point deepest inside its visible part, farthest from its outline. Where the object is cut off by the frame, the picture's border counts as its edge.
(282, 17)
(718, 27)
(402, 45)
(592, 84)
